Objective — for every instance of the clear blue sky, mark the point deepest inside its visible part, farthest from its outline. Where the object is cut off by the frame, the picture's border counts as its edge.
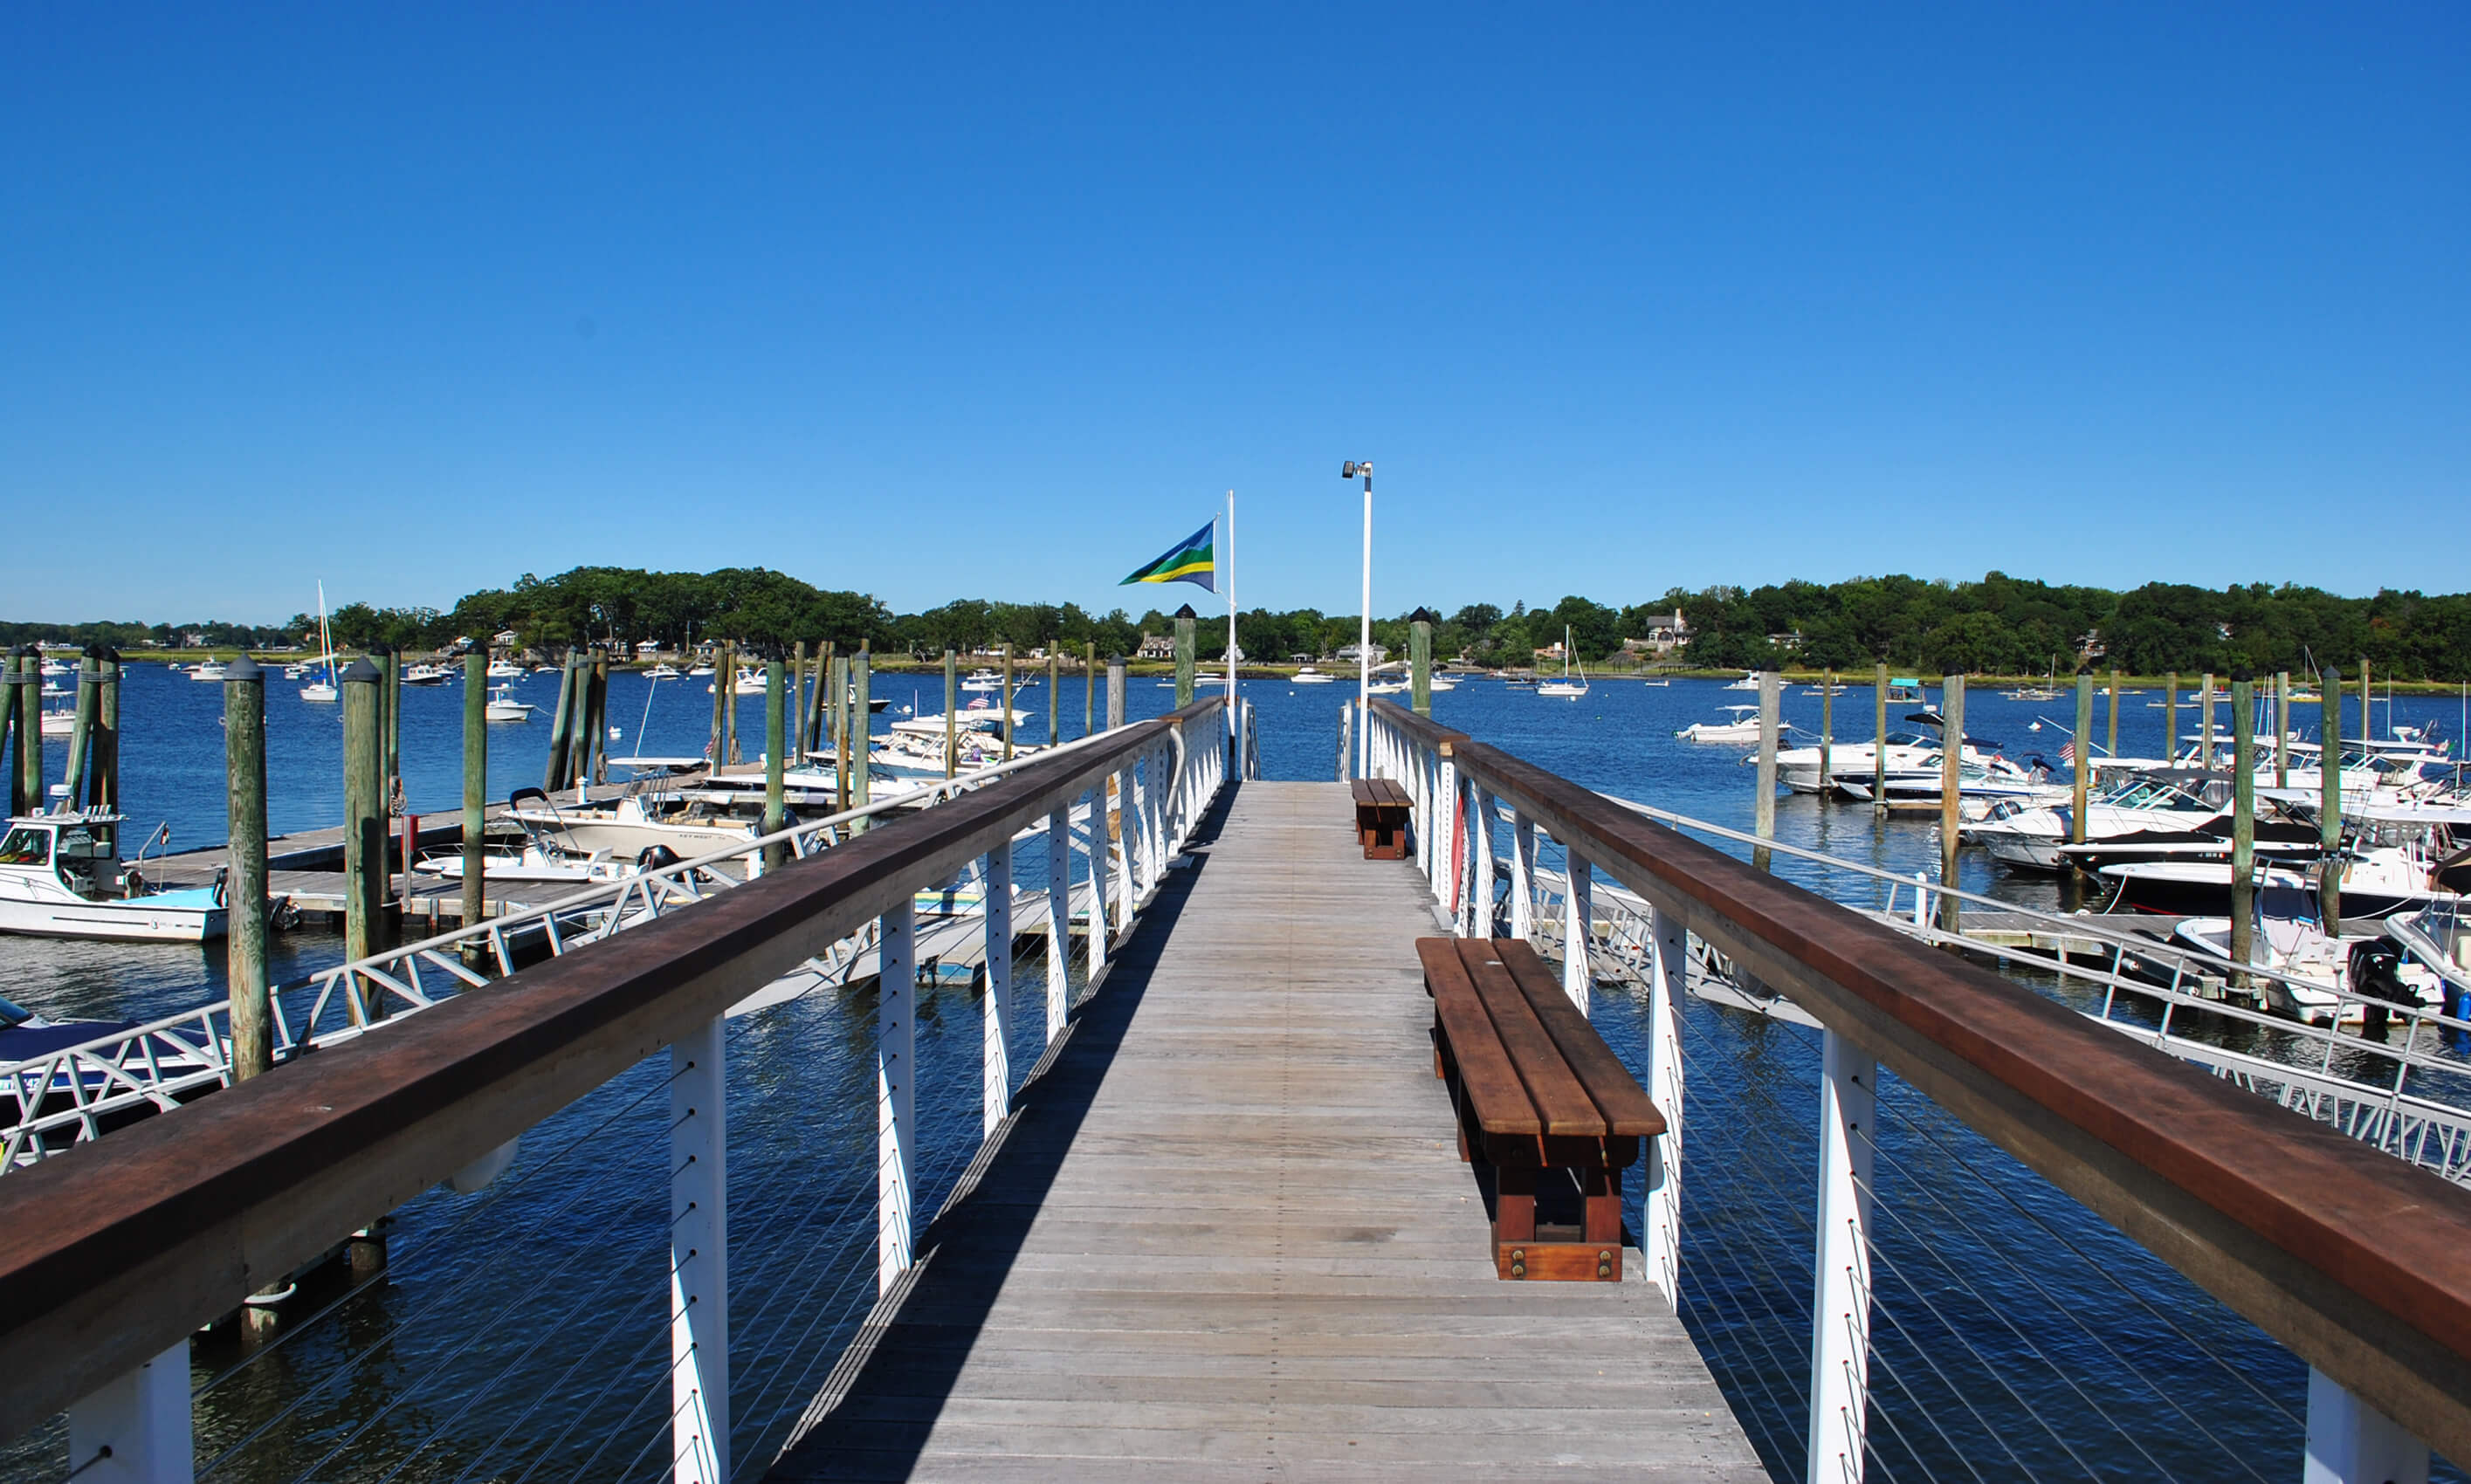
(936, 301)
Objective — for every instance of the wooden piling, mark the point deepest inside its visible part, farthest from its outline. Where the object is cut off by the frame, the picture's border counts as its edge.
(952, 718)
(1006, 718)
(365, 816)
(2205, 729)
(597, 738)
(8, 738)
(29, 790)
(1090, 688)
(2243, 825)
(578, 726)
(2171, 717)
(2282, 729)
(1054, 698)
(1879, 742)
(1185, 659)
(725, 683)
(1951, 793)
(2111, 747)
(2329, 809)
(1115, 691)
(796, 698)
(1420, 663)
(391, 725)
(776, 745)
(103, 772)
(81, 728)
(252, 1013)
(2084, 769)
(1826, 731)
(861, 729)
(476, 789)
(561, 725)
(1770, 685)
(712, 739)
(2367, 698)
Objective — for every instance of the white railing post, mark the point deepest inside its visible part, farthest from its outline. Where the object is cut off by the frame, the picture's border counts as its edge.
(1578, 908)
(1445, 875)
(699, 1255)
(995, 1011)
(1523, 875)
(1921, 900)
(1100, 861)
(1480, 818)
(1059, 916)
(896, 1100)
(136, 1429)
(1668, 980)
(1120, 849)
(1840, 1340)
(2350, 1442)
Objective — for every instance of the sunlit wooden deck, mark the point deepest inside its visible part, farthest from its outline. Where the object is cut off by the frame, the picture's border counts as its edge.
(1228, 1235)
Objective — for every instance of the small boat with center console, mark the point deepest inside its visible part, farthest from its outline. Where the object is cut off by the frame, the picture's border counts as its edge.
(60, 877)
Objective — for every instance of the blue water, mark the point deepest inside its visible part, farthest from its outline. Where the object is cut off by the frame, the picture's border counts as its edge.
(518, 1333)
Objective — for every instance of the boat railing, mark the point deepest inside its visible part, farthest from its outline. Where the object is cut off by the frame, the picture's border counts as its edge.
(1959, 1117)
(73, 1093)
(117, 1255)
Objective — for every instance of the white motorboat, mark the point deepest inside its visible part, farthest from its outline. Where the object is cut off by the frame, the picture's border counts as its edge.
(632, 825)
(60, 877)
(59, 720)
(53, 670)
(1307, 675)
(208, 670)
(1440, 683)
(508, 670)
(532, 865)
(987, 680)
(1906, 692)
(663, 670)
(504, 707)
(2152, 817)
(1743, 727)
(426, 675)
(1565, 689)
(1857, 763)
(2184, 887)
(1749, 682)
(2291, 941)
(748, 682)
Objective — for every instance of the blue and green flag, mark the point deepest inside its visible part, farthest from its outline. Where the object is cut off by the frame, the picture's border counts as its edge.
(1193, 560)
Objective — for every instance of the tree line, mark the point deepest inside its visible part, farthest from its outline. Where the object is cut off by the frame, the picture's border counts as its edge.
(2000, 625)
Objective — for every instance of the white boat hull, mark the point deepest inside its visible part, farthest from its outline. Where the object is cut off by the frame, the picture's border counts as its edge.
(134, 922)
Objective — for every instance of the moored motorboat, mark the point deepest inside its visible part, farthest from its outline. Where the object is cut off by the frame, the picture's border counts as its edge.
(60, 877)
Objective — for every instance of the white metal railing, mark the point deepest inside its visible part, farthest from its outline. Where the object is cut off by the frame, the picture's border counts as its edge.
(1455, 818)
(1137, 814)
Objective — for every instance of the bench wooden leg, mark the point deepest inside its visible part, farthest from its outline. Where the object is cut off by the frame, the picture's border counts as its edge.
(1514, 1220)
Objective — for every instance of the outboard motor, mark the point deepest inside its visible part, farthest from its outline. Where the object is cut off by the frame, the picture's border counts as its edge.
(2375, 969)
(654, 857)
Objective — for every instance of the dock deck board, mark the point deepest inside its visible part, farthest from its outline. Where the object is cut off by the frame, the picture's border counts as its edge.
(1228, 1234)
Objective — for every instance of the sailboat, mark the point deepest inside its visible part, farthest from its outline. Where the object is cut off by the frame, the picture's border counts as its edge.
(1565, 688)
(324, 690)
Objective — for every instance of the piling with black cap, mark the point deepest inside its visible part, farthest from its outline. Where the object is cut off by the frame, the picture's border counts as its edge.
(561, 729)
(81, 728)
(8, 723)
(1420, 661)
(252, 1016)
(476, 789)
(103, 775)
(776, 743)
(364, 822)
(1115, 691)
(27, 798)
(1186, 622)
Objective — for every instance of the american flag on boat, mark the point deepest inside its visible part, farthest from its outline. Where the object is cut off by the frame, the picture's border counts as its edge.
(2068, 753)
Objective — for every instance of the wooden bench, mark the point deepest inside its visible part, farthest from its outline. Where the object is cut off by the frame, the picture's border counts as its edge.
(1381, 812)
(1542, 1099)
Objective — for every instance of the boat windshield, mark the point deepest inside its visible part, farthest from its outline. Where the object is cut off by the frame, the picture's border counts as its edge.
(14, 1014)
(26, 845)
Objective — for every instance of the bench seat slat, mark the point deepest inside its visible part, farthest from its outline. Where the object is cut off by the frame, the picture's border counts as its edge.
(1609, 1084)
(1554, 1090)
(1363, 791)
(1491, 1083)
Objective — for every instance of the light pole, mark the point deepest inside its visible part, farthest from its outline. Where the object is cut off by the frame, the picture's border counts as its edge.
(1364, 634)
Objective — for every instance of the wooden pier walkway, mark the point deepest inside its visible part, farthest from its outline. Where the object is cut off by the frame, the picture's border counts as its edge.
(1229, 1237)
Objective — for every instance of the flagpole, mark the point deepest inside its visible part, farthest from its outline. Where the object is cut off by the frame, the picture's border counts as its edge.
(1231, 598)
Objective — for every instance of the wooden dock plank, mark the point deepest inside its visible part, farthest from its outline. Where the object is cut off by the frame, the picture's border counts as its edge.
(1229, 1233)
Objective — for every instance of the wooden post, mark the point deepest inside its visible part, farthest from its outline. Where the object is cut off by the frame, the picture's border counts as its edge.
(1951, 790)
(1420, 663)
(1007, 703)
(596, 736)
(2171, 717)
(105, 771)
(2329, 811)
(2243, 825)
(1115, 691)
(81, 728)
(252, 1016)
(578, 728)
(30, 731)
(1090, 688)
(9, 724)
(1879, 742)
(2368, 696)
(2205, 729)
(797, 699)
(2083, 771)
(475, 791)
(776, 744)
(2282, 729)
(1185, 659)
(391, 721)
(861, 729)
(837, 729)
(561, 724)
(952, 720)
(1826, 731)
(712, 741)
(365, 816)
(725, 679)
(1054, 698)
(2112, 748)
(1769, 683)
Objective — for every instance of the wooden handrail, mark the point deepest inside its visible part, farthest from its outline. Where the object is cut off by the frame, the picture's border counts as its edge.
(2361, 1263)
(113, 1251)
